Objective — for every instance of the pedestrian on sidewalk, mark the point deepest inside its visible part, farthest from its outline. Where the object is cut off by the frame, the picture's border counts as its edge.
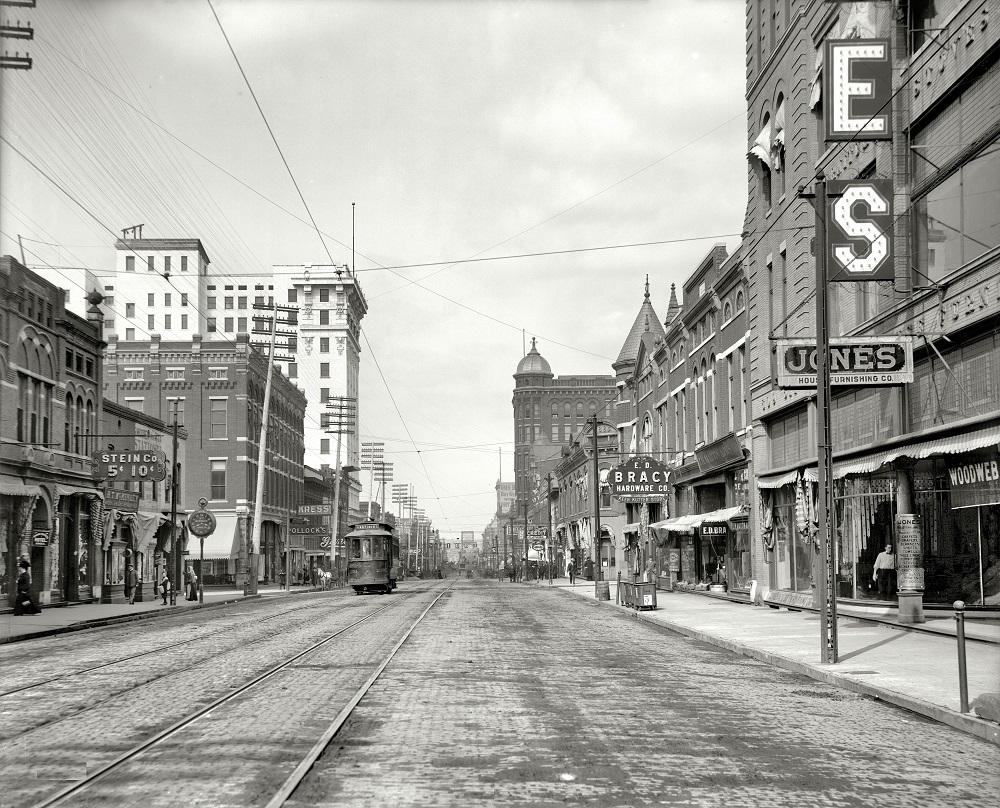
(131, 583)
(884, 574)
(588, 570)
(24, 600)
(571, 572)
(164, 587)
(190, 584)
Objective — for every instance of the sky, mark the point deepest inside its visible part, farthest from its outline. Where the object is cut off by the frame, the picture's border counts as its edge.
(578, 146)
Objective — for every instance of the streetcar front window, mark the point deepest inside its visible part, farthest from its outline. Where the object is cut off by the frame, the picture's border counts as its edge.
(367, 549)
(355, 548)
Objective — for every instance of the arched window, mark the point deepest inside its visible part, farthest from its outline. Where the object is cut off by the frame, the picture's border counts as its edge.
(727, 312)
(554, 422)
(740, 304)
(646, 447)
(705, 404)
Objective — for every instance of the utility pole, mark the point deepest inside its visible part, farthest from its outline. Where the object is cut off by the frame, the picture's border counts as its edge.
(599, 573)
(548, 532)
(16, 31)
(175, 535)
(343, 411)
(371, 457)
(826, 578)
(266, 325)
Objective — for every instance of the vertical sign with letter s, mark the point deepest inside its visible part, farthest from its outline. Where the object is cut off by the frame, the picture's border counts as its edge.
(859, 230)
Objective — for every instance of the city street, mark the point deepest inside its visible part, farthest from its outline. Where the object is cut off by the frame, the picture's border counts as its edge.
(505, 694)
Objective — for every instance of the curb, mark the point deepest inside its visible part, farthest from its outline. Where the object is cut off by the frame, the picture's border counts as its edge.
(963, 722)
(126, 618)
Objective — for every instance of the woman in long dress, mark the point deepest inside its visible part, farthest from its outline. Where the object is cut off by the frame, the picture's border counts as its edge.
(24, 601)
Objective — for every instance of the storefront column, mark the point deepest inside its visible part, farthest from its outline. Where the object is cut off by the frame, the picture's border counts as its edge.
(909, 548)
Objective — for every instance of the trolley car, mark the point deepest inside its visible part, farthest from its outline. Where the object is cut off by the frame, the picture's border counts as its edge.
(372, 557)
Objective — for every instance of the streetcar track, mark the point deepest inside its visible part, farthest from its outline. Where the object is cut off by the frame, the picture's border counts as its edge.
(172, 730)
(172, 672)
(108, 664)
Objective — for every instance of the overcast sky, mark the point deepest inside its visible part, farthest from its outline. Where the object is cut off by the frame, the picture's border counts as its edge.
(458, 129)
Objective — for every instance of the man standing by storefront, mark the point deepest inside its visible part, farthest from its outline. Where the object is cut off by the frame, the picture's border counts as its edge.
(884, 574)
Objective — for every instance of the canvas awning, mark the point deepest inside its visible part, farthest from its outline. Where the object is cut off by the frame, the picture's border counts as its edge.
(691, 522)
(954, 444)
(631, 527)
(761, 148)
(778, 480)
(11, 488)
(224, 541)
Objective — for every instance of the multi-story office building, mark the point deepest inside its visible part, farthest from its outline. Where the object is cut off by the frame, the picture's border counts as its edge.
(50, 412)
(216, 389)
(907, 454)
(168, 287)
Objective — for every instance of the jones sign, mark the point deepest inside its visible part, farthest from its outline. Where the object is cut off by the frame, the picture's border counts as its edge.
(860, 361)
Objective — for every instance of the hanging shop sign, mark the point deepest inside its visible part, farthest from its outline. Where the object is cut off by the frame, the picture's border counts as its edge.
(142, 465)
(974, 479)
(312, 510)
(859, 230)
(856, 361)
(857, 91)
(718, 454)
(119, 500)
(40, 538)
(714, 530)
(639, 479)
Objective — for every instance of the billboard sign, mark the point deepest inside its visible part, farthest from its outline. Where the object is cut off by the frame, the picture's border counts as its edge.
(857, 89)
(131, 465)
(639, 479)
(858, 361)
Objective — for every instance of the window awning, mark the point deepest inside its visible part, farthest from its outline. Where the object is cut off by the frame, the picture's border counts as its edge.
(777, 481)
(10, 488)
(761, 148)
(631, 527)
(954, 444)
(223, 543)
(691, 522)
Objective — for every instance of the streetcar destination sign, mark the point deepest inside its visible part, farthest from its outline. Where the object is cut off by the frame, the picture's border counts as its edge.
(860, 361)
(130, 465)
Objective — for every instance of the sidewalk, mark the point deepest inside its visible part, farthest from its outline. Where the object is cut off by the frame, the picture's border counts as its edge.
(60, 619)
(914, 669)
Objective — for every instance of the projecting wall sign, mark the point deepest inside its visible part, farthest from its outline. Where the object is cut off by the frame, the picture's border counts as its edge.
(858, 89)
(859, 230)
(863, 361)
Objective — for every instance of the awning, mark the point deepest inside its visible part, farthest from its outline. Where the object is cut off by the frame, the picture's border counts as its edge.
(561, 526)
(778, 481)
(148, 523)
(631, 527)
(761, 148)
(778, 143)
(224, 541)
(14, 489)
(954, 444)
(691, 522)
(70, 490)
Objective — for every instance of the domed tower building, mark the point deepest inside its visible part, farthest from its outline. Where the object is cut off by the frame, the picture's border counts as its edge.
(548, 412)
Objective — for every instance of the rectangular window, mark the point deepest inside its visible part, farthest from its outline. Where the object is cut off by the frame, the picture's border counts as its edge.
(241, 302)
(228, 302)
(135, 403)
(109, 323)
(174, 374)
(241, 324)
(151, 322)
(173, 402)
(109, 300)
(210, 325)
(166, 322)
(184, 322)
(293, 370)
(217, 373)
(324, 295)
(219, 417)
(184, 298)
(229, 324)
(324, 446)
(150, 299)
(166, 299)
(218, 479)
(324, 394)
(129, 333)
(324, 370)
(130, 263)
(210, 303)
(151, 264)
(130, 309)
(324, 317)
(184, 263)
(293, 295)
(133, 374)
(166, 265)
(324, 345)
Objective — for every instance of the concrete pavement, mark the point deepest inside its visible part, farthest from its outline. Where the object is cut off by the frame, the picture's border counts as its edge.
(914, 669)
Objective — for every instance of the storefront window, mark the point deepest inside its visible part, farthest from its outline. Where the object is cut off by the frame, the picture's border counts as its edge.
(792, 553)
(740, 572)
(866, 508)
(116, 565)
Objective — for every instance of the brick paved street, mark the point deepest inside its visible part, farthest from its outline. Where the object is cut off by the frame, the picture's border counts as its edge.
(504, 695)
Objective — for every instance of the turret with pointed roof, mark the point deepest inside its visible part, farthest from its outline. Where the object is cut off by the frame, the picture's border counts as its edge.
(646, 322)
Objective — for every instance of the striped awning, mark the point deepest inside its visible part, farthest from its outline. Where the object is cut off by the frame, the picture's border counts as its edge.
(631, 527)
(691, 522)
(953, 444)
(778, 480)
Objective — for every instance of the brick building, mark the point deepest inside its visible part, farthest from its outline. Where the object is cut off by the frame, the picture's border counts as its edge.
(50, 409)
(217, 390)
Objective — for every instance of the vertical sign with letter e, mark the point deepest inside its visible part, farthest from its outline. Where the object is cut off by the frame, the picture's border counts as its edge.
(858, 90)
